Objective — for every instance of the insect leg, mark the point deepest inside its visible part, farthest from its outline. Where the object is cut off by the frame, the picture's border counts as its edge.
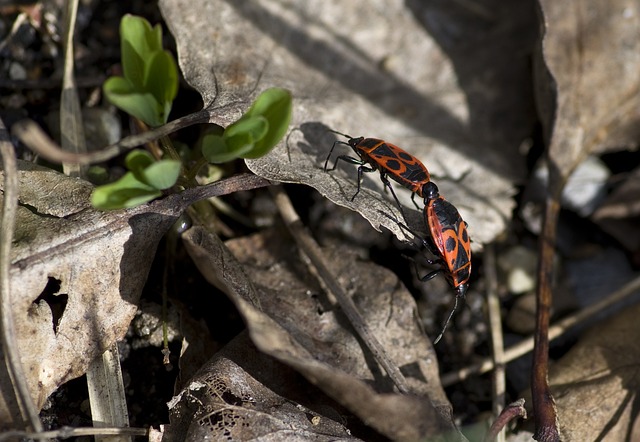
(414, 201)
(330, 152)
(387, 183)
(431, 275)
(361, 169)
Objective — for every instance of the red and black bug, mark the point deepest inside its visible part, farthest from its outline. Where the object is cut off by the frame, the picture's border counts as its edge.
(390, 160)
(449, 241)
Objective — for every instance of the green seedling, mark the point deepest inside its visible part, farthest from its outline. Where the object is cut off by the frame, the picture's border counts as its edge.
(256, 132)
(145, 181)
(150, 76)
(146, 91)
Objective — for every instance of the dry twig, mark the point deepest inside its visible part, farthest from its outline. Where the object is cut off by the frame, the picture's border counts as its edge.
(312, 250)
(37, 140)
(9, 341)
(497, 341)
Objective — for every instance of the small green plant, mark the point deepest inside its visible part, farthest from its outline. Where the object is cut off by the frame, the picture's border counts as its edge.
(150, 81)
(255, 133)
(147, 91)
(145, 181)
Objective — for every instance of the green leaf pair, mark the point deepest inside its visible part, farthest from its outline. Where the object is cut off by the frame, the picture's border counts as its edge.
(150, 81)
(255, 133)
(144, 181)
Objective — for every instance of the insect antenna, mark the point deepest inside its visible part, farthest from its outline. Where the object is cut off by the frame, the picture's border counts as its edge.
(446, 323)
(340, 133)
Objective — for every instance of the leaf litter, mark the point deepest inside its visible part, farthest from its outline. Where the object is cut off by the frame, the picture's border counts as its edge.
(353, 68)
(356, 72)
(77, 273)
(290, 318)
(350, 70)
(596, 382)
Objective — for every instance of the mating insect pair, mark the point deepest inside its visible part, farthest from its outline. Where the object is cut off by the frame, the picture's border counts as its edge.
(449, 239)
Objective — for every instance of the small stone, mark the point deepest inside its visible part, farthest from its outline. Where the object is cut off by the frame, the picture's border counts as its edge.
(17, 72)
(519, 264)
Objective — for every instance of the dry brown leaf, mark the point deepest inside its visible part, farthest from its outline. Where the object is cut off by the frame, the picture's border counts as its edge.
(242, 394)
(50, 193)
(591, 101)
(448, 83)
(77, 274)
(299, 326)
(596, 383)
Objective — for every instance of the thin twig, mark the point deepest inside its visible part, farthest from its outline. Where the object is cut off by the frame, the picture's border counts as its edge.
(544, 407)
(37, 140)
(513, 411)
(71, 128)
(557, 330)
(9, 341)
(312, 250)
(497, 341)
(68, 432)
(17, 23)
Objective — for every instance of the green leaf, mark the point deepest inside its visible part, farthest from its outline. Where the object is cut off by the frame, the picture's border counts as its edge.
(133, 65)
(275, 105)
(128, 198)
(236, 140)
(216, 150)
(255, 133)
(138, 41)
(162, 80)
(269, 101)
(162, 174)
(143, 106)
(159, 175)
(97, 174)
(118, 86)
(255, 127)
(239, 144)
(137, 160)
(124, 193)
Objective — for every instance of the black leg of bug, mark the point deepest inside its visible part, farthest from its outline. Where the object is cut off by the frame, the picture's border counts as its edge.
(346, 159)
(363, 168)
(331, 151)
(414, 201)
(427, 243)
(429, 276)
(388, 185)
